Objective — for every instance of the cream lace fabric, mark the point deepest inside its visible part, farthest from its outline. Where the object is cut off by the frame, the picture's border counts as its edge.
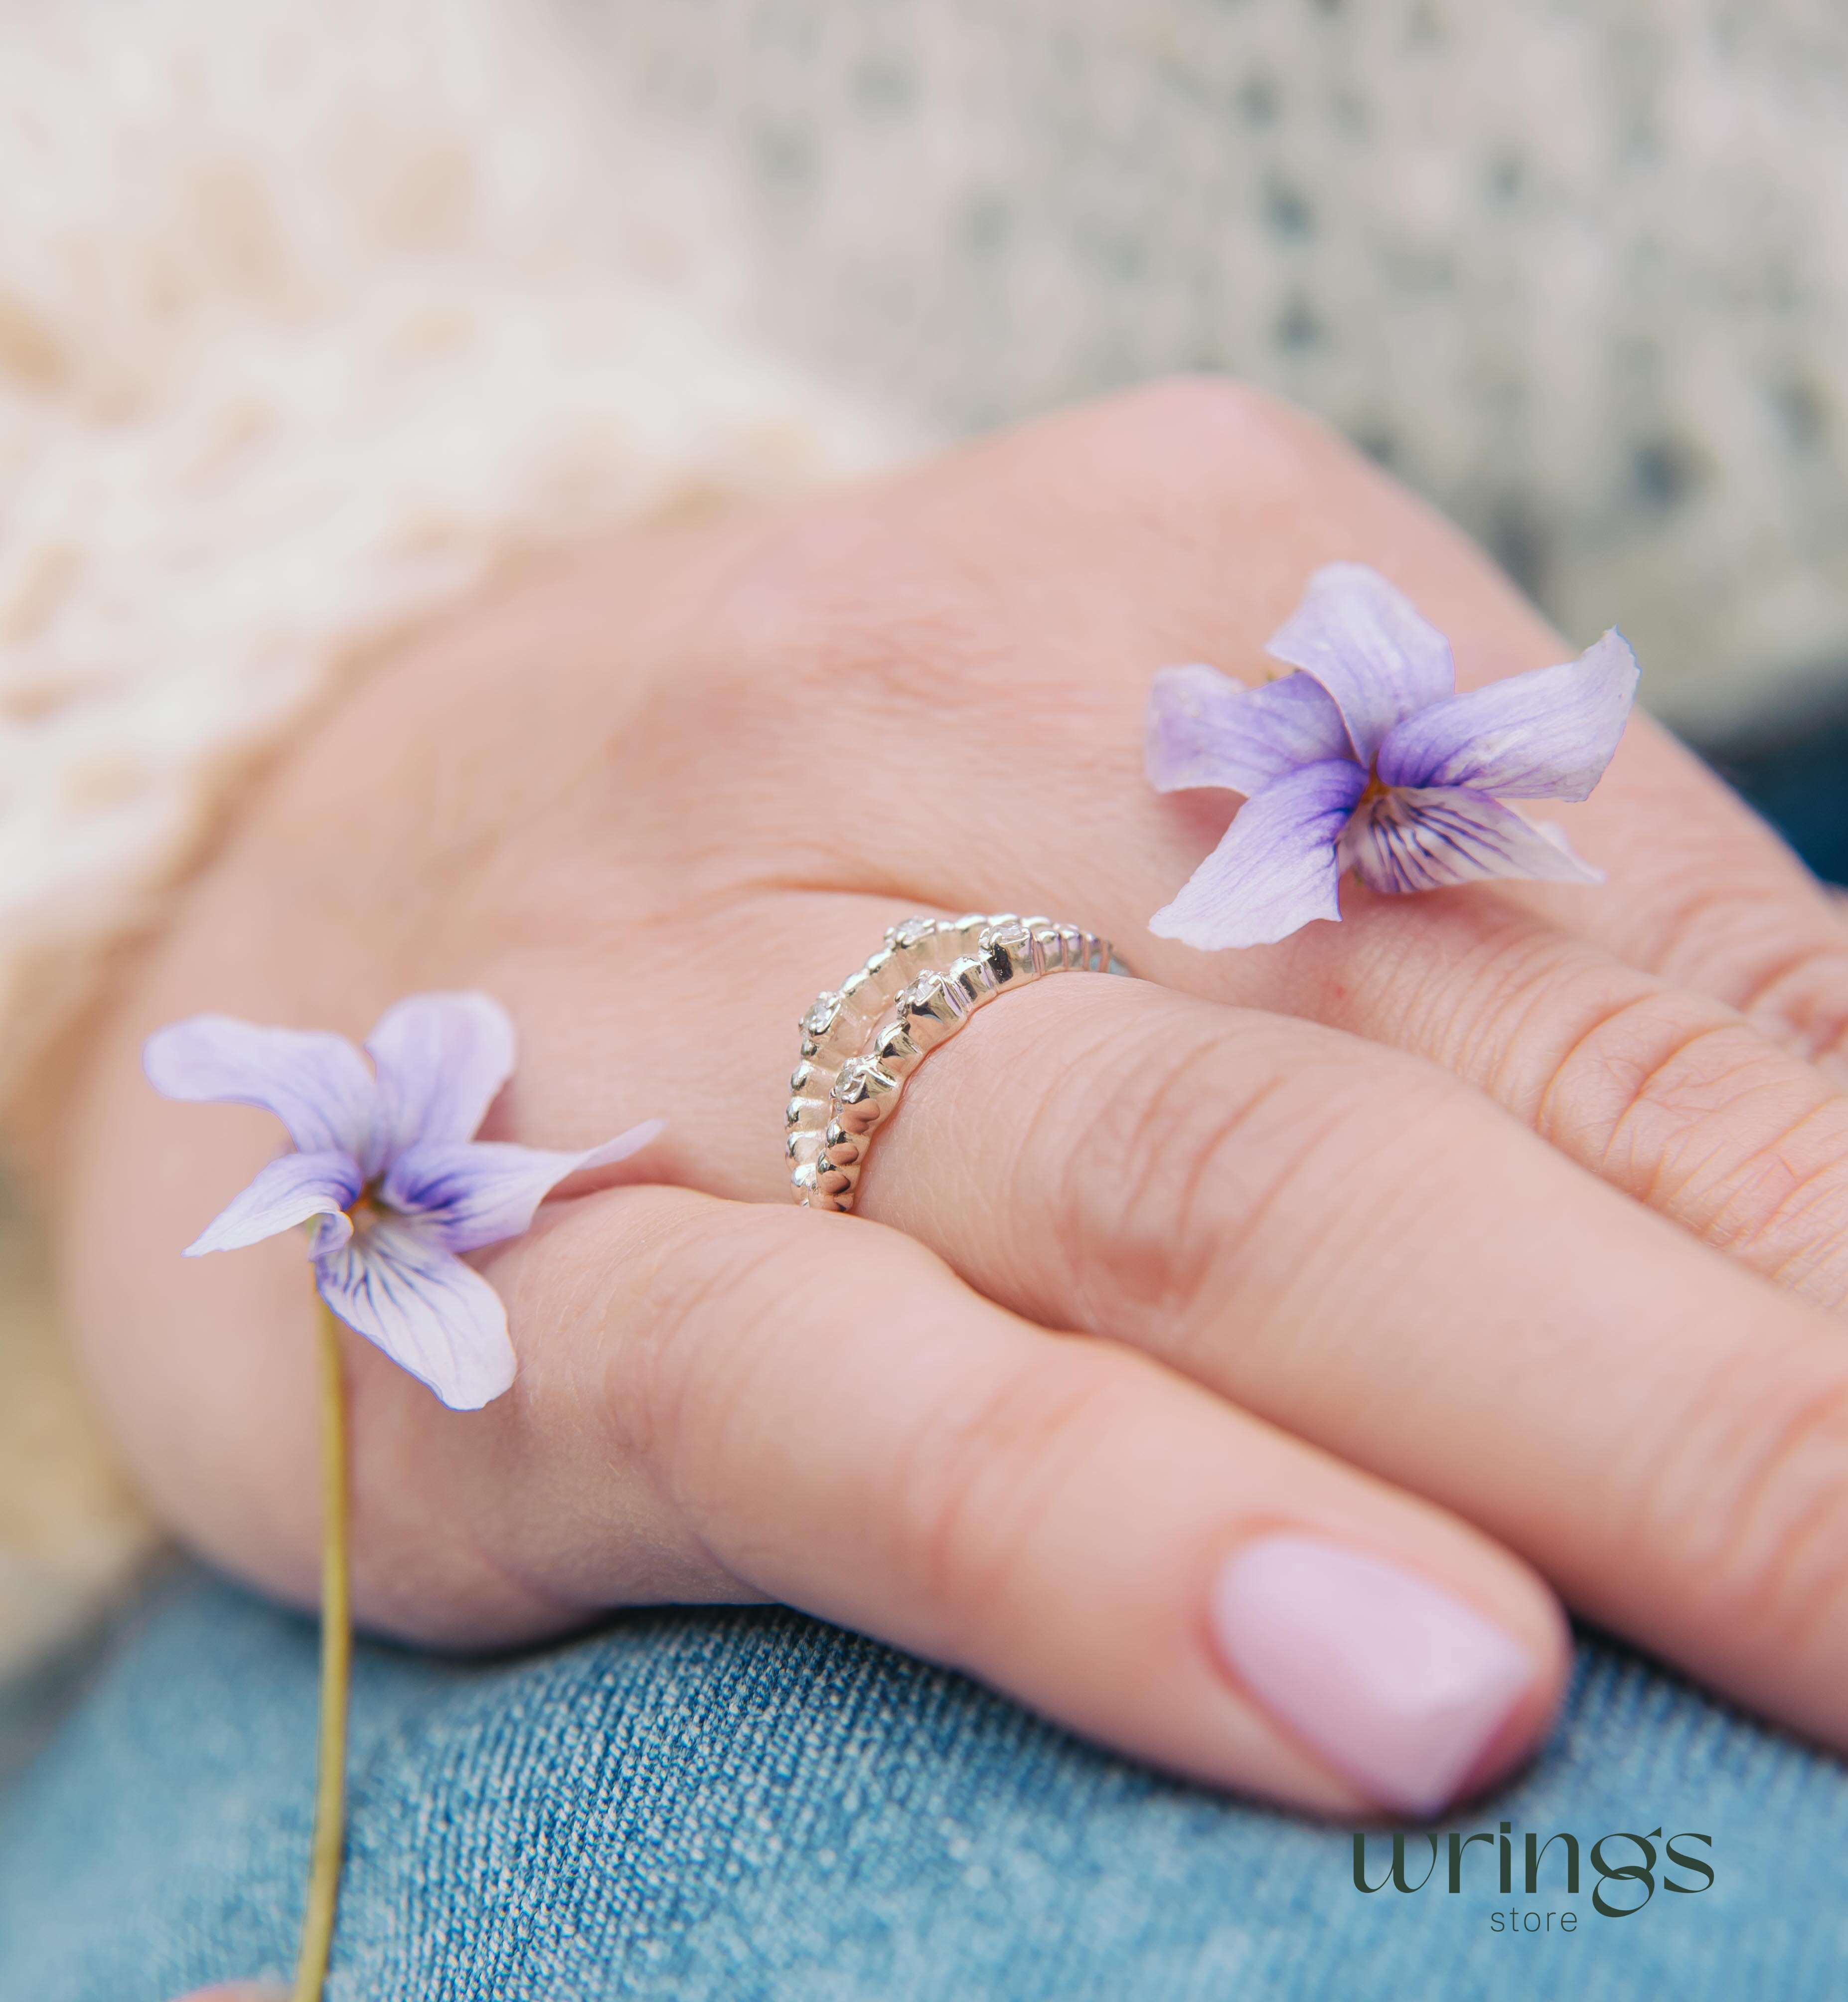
(311, 311)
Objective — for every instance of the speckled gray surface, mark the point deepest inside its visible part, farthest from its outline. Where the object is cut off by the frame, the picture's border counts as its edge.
(1579, 272)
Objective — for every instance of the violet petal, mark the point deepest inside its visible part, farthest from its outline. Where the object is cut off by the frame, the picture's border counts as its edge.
(1431, 838)
(288, 1191)
(315, 1083)
(1369, 645)
(1205, 730)
(442, 1059)
(430, 1313)
(1275, 869)
(477, 1192)
(1547, 734)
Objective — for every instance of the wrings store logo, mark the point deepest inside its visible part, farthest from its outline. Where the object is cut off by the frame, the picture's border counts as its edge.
(1626, 1866)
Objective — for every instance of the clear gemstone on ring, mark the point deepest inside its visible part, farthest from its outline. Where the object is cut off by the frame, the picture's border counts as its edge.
(854, 1073)
(821, 1017)
(825, 1164)
(928, 990)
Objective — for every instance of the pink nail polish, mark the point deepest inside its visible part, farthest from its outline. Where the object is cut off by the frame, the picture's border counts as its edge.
(1391, 1680)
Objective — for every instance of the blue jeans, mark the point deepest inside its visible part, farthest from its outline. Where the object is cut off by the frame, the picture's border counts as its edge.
(751, 1806)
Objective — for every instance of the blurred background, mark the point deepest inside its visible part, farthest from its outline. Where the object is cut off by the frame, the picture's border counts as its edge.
(1578, 272)
(313, 310)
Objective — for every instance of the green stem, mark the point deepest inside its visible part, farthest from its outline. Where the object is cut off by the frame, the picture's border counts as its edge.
(337, 1673)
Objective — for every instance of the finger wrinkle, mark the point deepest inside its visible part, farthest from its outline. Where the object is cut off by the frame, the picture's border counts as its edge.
(976, 1482)
(1613, 1070)
(1802, 1001)
(1688, 1110)
(1482, 992)
(681, 1328)
(1752, 1485)
(1803, 1251)
(1523, 992)
(1130, 1189)
(1747, 941)
(1219, 1172)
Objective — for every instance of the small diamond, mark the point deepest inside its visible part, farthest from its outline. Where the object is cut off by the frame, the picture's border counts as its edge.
(914, 931)
(1007, 950)
(821, 1018)
(861, 1079)
(929, 995)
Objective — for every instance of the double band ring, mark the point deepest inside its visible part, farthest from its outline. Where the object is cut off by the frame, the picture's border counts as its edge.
(861, 1042)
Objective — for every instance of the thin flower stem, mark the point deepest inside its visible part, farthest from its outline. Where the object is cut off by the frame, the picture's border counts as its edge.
(336, 1673)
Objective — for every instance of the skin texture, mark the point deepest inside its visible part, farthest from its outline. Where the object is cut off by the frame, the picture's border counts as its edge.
(1496, 1233)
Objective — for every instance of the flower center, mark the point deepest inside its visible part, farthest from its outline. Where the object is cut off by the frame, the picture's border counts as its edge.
(1377, 788)
(365, 1211)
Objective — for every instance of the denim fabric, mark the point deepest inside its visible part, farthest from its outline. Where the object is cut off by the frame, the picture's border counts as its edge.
(747, 1804)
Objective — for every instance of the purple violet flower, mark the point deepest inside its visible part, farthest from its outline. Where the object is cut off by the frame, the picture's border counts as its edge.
(386, 1161)
(1369, 759)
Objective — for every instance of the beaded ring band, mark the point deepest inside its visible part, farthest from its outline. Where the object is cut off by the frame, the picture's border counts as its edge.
(860, 1043)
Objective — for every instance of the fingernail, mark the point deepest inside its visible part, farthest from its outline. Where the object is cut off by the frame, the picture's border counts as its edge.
(1395, 1683)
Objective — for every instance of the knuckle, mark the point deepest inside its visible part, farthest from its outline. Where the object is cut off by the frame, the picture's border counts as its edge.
(1635, 1094)
(1178, 451)
(1753, 1488)
(1801, 1000)
(983, 1474)
(852, 604)
(1208, 1158)
(680, 1342)
(1720, 920)
(1198, 417)
(903, 602)
(1738, 927)
(1673, 1100)
(1177, 407)
(1714, 907)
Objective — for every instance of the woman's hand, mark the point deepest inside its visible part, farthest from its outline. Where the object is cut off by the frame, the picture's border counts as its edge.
(1233, 1365)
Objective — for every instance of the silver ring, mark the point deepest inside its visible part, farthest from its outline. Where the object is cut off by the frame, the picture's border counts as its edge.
(861, 1042)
